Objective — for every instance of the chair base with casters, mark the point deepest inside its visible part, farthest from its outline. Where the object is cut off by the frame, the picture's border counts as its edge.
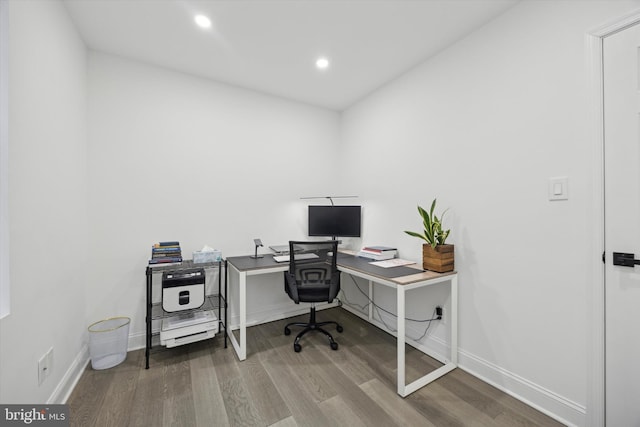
(312, 325)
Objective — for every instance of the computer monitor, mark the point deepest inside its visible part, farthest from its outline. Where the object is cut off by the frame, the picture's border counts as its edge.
(335, 221)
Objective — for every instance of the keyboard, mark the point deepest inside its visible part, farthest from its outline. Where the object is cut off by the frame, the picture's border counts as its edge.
(285, 258)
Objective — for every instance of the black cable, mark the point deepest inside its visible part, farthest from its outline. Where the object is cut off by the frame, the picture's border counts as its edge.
(387, 311)
(352, 304)
(378, 308)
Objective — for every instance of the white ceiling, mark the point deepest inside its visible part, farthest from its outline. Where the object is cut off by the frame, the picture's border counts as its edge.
(271, 46)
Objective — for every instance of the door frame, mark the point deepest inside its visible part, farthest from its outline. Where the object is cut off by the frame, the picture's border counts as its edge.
(596, 397)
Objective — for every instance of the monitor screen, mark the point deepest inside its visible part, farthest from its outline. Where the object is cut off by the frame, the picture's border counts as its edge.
(335, 221)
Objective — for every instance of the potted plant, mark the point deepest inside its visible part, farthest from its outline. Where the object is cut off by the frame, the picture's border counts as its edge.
(436, 255)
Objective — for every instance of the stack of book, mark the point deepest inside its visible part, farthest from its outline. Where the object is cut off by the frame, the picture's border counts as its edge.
(378, 253)
(165, 253)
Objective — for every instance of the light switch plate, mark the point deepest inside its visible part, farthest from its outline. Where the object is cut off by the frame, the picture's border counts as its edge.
(559, 188)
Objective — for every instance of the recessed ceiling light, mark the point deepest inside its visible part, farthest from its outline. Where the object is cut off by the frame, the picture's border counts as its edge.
(322, 63)
(203, 21)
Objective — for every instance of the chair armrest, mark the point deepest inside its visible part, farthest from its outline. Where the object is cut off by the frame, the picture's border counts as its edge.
(292, 285)
(334, 288)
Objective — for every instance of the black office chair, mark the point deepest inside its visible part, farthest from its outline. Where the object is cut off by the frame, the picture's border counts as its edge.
(312, 277)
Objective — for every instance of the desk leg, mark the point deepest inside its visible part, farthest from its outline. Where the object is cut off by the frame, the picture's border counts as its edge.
(241, 346)
(243, 316)
(370, 301)
(401, 340)
(454, 320)
(406, 389)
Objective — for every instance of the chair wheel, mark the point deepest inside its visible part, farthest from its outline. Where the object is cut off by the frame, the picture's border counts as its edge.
(334, 346)
(339, 328)
(287, 331)
(297, 348)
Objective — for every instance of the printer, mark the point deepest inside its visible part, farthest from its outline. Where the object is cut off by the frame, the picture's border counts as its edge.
(188, 327)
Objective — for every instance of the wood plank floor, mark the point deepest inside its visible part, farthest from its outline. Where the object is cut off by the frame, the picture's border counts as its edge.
(203, 384)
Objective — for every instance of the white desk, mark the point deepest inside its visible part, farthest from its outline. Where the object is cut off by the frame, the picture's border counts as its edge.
(246, 266)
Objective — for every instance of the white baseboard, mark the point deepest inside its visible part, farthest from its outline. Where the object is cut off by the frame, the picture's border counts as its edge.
(137, 341)
(557, 407)
(546, 401)
(68, 382)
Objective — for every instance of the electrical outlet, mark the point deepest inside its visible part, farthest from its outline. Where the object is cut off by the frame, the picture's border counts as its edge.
(443, 319)
(45, 365)
(438, 312)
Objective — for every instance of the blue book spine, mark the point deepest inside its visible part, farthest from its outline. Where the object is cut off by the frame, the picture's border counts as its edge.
(166, 249)
(165, 260)
(172, 243)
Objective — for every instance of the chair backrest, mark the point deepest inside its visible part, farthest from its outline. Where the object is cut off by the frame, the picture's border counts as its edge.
(313, 275)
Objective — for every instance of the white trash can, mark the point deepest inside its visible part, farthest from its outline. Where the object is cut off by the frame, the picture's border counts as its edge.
(108, 341)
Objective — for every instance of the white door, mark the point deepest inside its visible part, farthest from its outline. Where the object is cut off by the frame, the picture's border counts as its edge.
(622, 226)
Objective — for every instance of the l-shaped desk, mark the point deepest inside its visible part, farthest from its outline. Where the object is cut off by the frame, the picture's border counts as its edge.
(402, 279)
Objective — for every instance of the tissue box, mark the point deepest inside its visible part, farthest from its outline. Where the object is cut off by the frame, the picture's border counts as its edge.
(206, 256)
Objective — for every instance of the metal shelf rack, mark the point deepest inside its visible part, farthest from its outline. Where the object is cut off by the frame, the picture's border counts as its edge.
(216, 301)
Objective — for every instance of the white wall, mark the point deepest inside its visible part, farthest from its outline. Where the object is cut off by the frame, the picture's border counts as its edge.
(47, 201)
(482, 127)
(4, 159)
(175, 157)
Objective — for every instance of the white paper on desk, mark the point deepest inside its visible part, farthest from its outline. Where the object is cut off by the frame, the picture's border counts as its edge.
(394, 262)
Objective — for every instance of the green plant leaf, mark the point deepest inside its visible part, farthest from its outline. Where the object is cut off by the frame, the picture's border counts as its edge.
(414, 234)
(433, 230)
(426, 219)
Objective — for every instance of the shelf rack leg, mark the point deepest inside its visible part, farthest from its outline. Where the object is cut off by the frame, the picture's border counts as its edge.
(148, 317)
(226, 306)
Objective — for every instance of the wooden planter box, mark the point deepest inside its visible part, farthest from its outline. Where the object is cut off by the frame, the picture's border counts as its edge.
(439, 259)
